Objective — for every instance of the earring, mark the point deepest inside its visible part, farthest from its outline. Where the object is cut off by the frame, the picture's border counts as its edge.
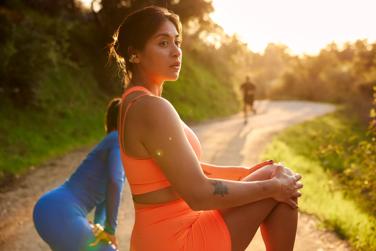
(133, 59)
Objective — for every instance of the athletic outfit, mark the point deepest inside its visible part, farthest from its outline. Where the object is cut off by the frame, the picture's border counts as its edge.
(171, 226)
(60, 215)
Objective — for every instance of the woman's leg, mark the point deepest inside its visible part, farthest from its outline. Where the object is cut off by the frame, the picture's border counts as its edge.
(277, 220)
(279, 228)
(60, 222)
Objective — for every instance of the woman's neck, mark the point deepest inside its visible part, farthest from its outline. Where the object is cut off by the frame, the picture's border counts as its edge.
(154, 87)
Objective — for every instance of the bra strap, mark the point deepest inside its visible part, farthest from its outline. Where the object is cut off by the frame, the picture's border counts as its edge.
(121, 118)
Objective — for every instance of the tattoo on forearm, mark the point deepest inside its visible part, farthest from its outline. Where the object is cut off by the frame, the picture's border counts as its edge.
(219, 188)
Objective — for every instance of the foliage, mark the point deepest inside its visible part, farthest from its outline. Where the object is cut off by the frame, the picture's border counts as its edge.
(225, 55)
(53, 8)
(353, 159)
(321, 150)
(335, 75)
(199, 93)
(112, 12)
(32, 43)
(69, 115)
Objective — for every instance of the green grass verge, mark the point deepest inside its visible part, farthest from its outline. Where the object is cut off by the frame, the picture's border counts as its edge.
(323, 195)
(69, 114)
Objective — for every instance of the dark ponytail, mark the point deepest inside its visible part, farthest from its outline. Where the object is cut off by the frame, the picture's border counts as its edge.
(112, 114)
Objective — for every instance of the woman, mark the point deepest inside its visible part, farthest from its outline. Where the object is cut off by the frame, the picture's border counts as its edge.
(180, 202)
(60, 214)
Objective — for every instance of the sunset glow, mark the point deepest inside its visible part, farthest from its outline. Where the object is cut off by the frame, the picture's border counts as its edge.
(305, 26)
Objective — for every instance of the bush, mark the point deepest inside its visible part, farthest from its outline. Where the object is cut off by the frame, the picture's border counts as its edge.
(352, 156)
(29, 46)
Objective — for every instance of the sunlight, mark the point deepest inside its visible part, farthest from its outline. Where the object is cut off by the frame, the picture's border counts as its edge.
(86, 2)
(304, 26)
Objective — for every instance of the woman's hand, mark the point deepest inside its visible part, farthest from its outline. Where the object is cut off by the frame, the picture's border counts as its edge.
(288, 186)
(101, 235)
(111, 240)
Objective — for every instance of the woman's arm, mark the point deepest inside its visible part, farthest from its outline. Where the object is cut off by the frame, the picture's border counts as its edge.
(106, 213)
(231, 172)
(100, 214)
(114, 189)
(160, 131)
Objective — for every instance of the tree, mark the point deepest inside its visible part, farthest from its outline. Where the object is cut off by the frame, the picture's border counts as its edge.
(55, 7)
(112, 12)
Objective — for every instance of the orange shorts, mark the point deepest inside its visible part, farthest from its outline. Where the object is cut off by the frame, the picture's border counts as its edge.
(174, 226)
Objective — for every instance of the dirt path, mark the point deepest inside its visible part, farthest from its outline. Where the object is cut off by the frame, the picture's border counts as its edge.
(224, 142)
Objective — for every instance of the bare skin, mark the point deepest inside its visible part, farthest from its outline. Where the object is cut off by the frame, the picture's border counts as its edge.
(265, 197)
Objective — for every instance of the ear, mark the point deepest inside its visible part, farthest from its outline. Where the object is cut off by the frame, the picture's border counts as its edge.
(134, 58)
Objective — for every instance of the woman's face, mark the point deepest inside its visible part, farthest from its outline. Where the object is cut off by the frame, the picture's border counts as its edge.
(161, 58)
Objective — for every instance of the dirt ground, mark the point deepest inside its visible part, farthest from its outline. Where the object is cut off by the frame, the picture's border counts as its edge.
(224, 141)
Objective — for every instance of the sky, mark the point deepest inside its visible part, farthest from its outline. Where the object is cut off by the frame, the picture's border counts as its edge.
(305, 26)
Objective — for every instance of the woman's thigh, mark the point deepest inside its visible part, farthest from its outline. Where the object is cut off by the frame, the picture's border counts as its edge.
(243, 221)
(62, 224)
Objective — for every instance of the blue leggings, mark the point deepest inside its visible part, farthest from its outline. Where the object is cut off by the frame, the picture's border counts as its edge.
(61, 222)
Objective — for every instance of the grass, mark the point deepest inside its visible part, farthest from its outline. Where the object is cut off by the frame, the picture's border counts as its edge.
(323, 195)
(69, 115)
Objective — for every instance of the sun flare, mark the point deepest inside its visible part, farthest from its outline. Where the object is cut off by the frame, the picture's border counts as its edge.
(304, 26)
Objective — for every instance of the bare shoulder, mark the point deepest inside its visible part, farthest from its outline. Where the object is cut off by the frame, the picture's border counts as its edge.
(155, 110)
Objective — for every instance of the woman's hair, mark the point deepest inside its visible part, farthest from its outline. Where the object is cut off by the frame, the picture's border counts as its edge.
(112, 115)
(134, 32)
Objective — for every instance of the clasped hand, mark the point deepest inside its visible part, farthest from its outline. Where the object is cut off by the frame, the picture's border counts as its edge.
(101, 235)
(288, 185)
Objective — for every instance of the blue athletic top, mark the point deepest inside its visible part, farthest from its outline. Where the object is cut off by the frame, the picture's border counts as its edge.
(98, 182)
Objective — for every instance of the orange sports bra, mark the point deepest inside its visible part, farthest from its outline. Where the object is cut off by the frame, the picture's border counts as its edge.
(144, 175)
